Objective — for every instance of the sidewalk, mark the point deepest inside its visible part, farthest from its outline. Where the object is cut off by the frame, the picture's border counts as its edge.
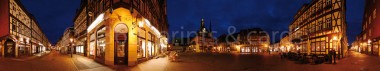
(86, 64)
(159, 64)
(29, 57)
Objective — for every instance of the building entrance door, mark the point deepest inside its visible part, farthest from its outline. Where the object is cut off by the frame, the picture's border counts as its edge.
(9, 48)
(121, 49)
(121, 44)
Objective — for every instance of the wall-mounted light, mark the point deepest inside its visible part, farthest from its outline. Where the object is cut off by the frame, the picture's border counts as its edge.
(97, 21)
(369, 41)
(90, 14)
(141, 24)
(71, 40)
(335, 38)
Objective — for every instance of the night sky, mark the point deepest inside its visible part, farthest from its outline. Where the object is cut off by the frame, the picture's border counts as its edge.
(54, 16)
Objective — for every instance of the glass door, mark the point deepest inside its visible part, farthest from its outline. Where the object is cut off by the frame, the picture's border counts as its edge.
(121, 49)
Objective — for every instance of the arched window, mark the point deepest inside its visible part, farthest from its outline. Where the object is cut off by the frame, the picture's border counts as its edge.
(121, 28)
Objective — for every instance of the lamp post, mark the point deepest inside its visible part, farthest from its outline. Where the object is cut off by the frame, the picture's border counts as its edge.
(71, 46)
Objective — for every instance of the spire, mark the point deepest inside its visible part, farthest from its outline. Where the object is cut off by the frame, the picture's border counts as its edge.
(202, 23)
(202, 28)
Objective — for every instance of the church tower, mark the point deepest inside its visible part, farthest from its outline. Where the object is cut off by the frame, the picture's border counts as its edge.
(203, 29)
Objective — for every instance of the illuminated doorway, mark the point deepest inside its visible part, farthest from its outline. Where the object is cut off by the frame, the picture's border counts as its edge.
(121, 44)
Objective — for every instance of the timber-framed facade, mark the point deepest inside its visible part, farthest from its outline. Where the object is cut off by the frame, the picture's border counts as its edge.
(20, 33)
(319, 27)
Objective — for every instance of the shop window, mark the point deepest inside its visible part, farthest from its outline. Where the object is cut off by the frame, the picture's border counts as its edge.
(323, 46)
(153, 49)
(79, 49)
(33, 48)
(149, 49)
(143, 46)
(318, 45)
(374, 14)
(22, 49)
(100, 42)
(369, 48)
(141, 49)
(375, 47)
(92, 44)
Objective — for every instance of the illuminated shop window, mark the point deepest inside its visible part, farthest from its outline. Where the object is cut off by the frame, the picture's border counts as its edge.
(92, 44)
(141, 49)
(143, 46)
(374, 14)
(101, 42)
(149, 48)
(375, 47)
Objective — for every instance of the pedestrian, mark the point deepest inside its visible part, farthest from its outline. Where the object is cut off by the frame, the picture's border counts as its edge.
(334, 55)
(330, 56)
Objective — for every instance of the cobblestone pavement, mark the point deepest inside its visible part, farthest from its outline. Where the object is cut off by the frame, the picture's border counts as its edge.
(193, 62)
(53, 61)
(254, 62)
(50, 62)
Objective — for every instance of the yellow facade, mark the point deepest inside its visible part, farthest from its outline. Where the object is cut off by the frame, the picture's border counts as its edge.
(253, 40)
(122, 16)
(286, 45)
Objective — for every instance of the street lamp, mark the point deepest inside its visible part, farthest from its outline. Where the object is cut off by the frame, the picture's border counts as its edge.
(71, 44)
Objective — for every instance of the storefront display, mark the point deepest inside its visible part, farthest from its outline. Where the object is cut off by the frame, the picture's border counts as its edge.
(375, 48)
(92, 48)
(141, 48)
(33, 49)
(117, 41)
(92, 45)
(79, 49)
(100, 48)
(100, 43)
(149, 49)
